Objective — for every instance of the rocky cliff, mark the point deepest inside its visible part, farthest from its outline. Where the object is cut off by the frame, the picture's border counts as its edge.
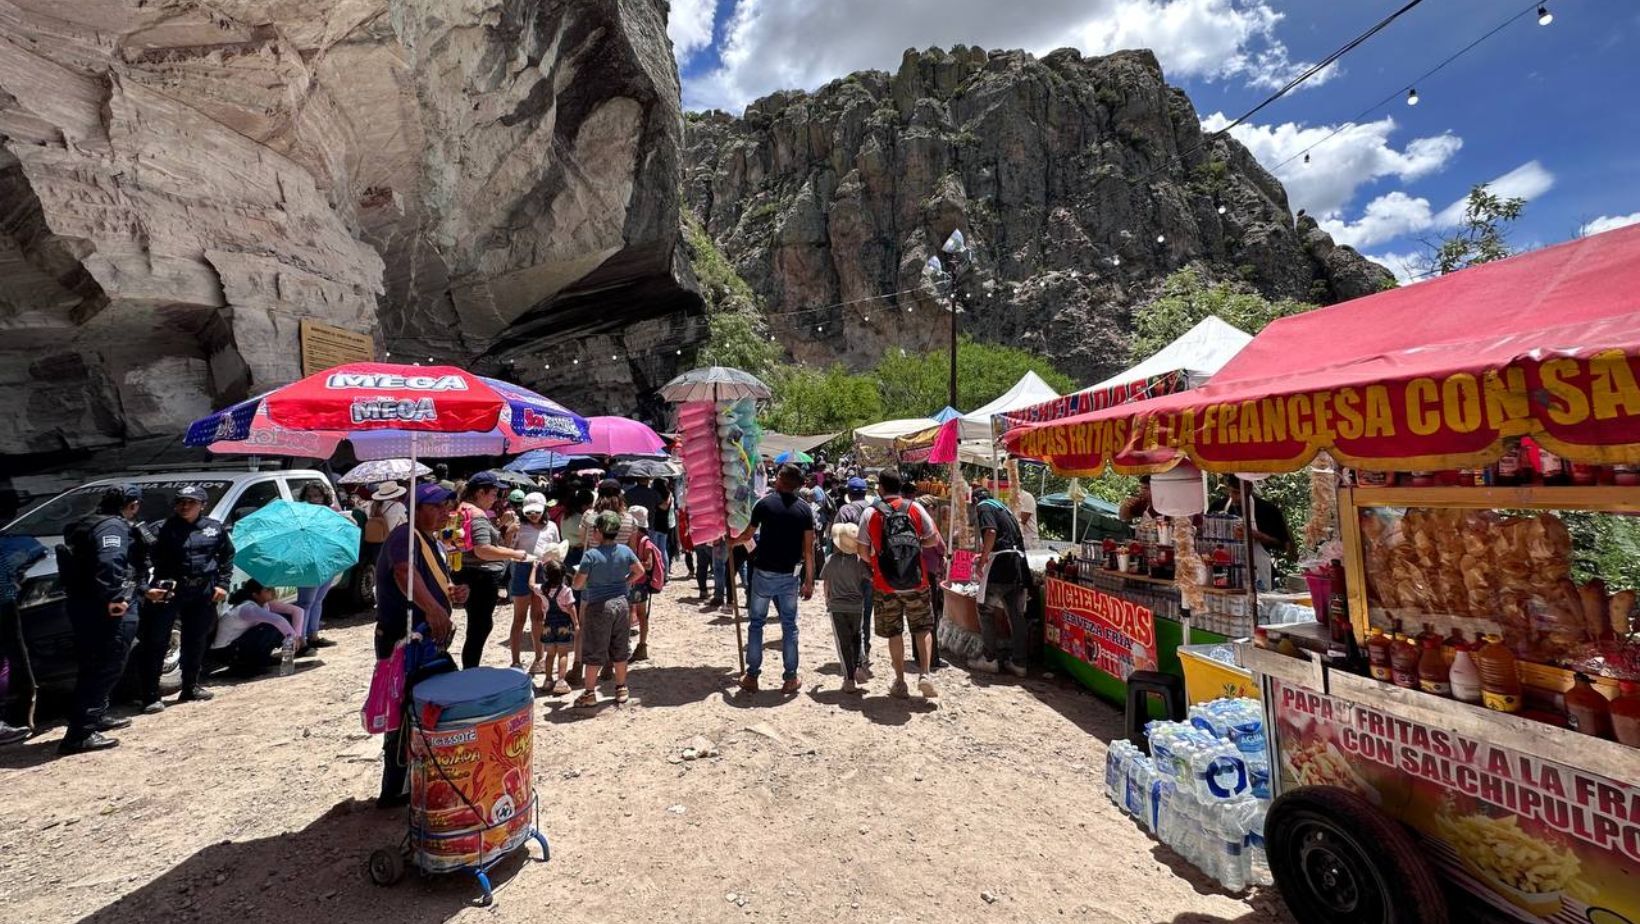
(183, 181)
(1078, 182)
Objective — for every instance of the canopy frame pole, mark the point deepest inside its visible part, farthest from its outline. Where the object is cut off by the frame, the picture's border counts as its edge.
(410, 534)
(1250, 523)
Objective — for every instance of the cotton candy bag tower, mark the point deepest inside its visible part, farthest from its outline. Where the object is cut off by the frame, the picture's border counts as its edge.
(717, 419)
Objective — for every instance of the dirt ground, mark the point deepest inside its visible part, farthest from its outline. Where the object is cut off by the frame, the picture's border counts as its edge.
(986, 804)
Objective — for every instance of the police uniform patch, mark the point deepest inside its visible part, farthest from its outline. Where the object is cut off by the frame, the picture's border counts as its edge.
(209, 532)
(110, 542)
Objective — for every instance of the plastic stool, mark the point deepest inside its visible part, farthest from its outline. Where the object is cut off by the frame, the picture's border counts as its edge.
(1141, 686)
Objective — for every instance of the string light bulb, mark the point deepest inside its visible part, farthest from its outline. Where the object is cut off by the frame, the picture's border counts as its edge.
(1412, 97)
(1544, 16)
(1161, 238)
(1115, 261)
(1222, 209)
(429, 359)
(575, 362)
(546, 365)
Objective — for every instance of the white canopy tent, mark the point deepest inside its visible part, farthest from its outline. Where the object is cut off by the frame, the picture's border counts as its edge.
(1028, 391)
(1200, 351)
(1187, 362)
(882, 435)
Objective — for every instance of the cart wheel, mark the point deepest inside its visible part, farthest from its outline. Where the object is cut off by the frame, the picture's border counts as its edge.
(1338, 859)
(385, 866)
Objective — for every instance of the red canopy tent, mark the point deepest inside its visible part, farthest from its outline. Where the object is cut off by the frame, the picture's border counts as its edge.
(1430, 376)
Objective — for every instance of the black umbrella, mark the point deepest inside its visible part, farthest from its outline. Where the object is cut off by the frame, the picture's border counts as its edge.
(645, 468)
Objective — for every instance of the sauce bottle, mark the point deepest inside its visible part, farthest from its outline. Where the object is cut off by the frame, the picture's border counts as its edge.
(1508, 467)
(1625, 710)
(1465, 677)
(1403, 662)
(1500, 676)
(1433, 674)
(1587, 709)
(1378, 648)
(1456, 641)
(1428, 633)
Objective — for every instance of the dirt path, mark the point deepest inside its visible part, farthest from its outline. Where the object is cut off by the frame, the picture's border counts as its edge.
(821, 807)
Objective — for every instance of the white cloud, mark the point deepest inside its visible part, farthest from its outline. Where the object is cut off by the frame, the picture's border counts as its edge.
(1407, 267)
(690, 26)
(1395, 214)
(1385, 218)
(1528, 181)
(1357, 155)
(1609, 223)
(769, 45)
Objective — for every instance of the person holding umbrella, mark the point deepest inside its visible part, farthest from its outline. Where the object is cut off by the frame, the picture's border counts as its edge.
(312, 598)
(423, 605)
(193, 568)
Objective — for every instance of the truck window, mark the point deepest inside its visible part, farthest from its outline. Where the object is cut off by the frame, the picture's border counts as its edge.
(255, 496)
(297, 484)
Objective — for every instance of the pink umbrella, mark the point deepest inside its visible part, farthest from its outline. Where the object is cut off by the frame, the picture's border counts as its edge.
(615, 436)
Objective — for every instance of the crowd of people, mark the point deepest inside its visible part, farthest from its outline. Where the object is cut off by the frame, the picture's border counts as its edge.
(578, 558)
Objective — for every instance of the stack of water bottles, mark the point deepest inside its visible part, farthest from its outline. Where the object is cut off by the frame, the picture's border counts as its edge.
(1204, 790)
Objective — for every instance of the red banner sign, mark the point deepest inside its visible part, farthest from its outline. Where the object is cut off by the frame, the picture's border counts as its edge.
(1586, 409)
(1082, 402)
(1535, 839)
(1113, 635)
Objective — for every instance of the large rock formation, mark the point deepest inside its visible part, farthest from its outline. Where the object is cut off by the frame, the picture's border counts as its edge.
(183, 181)
(1079, 183)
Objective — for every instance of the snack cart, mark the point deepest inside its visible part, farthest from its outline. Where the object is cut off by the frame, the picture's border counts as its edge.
(1390, 798)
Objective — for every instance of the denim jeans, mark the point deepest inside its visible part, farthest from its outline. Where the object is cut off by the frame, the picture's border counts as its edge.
(312, 602)
(720, 571)
(782, 589)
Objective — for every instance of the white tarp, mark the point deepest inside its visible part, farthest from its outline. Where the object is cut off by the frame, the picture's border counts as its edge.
(882, 435)
(1029, 390)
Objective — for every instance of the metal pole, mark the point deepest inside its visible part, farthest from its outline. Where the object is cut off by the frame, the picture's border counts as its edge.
(1248, 524)
(728, 541)
(951, 391)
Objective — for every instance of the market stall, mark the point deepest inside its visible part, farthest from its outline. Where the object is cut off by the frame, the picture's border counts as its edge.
(1117, 605)
(1472, 717)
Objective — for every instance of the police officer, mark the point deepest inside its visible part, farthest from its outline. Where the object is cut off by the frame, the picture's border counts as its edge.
(105, 554)
(195, 553)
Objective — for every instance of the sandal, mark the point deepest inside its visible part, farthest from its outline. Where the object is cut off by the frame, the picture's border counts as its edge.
(586, 700)
(622, 695)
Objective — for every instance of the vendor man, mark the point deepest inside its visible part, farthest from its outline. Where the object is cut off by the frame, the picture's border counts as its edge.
(1270, 533)
(1137, 504)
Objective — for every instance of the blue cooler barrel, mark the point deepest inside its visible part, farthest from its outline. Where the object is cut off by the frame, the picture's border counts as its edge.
(471, 794)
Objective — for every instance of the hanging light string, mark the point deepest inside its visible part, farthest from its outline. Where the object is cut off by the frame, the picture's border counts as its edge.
(1410, 90)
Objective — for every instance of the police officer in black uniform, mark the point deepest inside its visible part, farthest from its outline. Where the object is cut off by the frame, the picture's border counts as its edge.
(193, 551)
(105, 559)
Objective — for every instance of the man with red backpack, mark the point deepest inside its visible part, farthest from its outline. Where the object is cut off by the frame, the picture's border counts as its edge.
(893, 533)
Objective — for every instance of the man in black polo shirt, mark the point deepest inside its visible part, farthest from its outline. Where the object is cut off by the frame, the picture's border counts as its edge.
(785, 540)
(1002, 555)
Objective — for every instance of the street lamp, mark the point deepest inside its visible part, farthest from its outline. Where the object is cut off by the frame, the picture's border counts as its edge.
(957, 254)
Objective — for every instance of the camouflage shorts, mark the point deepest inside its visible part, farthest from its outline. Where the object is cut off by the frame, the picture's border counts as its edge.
(892, 613)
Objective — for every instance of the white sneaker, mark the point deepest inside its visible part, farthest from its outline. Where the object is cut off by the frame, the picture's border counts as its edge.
(1018, 670)
(926, 687)
(985, 665)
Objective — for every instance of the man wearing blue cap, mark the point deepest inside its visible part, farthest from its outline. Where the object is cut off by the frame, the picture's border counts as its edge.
(98, 564)
(193, 569)
(426, 609)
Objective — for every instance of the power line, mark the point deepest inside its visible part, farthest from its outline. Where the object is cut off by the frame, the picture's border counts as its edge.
(1355, 119)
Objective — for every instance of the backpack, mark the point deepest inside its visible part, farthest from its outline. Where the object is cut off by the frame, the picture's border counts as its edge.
(651, 555)
(899, 559)
(375, 528)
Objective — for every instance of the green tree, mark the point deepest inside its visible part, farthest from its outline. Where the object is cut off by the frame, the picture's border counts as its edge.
(808, 400)
(1187, 297)
(917, 384)
(736, 333)
(1483, 235)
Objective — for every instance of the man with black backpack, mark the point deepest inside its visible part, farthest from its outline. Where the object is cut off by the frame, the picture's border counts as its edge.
(99, 564)
(893, 532)
(1003, 581)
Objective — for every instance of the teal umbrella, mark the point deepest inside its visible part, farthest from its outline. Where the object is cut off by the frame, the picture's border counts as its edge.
(288, 544)
(793, 456)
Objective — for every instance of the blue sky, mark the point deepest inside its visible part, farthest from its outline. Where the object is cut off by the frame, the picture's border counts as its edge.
(1546, 112)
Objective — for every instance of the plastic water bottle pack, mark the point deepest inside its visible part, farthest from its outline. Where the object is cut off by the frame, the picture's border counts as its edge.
(1204, 790)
